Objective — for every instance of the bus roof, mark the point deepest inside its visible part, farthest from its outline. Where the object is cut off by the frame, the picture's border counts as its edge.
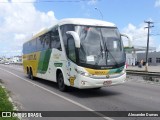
(84, 21)
(40, 33)
(76, 21)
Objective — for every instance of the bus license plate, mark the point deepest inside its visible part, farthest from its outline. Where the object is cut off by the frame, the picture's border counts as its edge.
(107, 83)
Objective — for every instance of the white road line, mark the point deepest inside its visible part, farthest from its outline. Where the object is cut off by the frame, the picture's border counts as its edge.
(63, 97)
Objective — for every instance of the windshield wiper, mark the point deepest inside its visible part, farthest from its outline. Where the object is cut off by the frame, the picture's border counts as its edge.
(101, 54)
(108, 51)
(101, 49)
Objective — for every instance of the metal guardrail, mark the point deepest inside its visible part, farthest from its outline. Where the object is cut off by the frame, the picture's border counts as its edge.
(143, 73)
(152, 77)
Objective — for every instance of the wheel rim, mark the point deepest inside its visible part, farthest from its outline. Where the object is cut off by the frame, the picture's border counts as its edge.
(61, 82)
(29, 75)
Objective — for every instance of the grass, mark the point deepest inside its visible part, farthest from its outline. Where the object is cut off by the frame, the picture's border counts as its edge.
(5, 104)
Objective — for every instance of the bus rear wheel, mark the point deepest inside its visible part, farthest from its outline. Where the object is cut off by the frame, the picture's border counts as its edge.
(30, 74)
(60, 80)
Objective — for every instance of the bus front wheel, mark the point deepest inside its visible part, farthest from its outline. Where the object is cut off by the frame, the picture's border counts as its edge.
(60, 81)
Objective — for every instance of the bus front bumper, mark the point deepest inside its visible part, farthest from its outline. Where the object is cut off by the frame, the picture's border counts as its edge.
(87, 82)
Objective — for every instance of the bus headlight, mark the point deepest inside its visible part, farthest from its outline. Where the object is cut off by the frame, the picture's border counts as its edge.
(84, 73)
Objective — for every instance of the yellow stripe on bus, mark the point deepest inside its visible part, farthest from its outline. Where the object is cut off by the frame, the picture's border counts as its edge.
(97, 72)
(31, 60)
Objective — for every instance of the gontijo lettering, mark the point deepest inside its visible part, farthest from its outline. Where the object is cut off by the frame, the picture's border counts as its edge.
(31, 57)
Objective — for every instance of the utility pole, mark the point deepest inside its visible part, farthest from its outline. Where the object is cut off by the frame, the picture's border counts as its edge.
(148, 27)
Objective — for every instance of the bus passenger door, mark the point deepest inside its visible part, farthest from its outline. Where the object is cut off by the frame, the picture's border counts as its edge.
(71, 53)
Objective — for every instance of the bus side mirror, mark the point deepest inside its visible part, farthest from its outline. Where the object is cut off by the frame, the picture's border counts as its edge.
(129, 39)
(76, 38)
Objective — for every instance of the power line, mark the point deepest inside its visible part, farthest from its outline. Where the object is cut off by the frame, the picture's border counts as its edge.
(155, 34)
(47, 1)
(99, 12)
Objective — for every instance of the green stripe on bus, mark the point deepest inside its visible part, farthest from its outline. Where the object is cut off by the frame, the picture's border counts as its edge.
(44, 61)
(117, 70)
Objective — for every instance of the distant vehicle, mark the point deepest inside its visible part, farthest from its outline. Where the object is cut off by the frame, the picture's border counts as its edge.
(83, 53)
(6, 63)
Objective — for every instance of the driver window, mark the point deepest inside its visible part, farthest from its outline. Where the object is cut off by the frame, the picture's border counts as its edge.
(71, 50)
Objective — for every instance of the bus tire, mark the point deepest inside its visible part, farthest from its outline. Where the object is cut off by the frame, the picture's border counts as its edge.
(28, 73)
(31, 74)
(60, 81)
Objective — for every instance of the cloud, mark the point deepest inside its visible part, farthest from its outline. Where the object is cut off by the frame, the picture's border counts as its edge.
(158, 49)
(157, 3)
(19, 21)
(92, 2)
(19, 36)
(87, 7)
(138, 35)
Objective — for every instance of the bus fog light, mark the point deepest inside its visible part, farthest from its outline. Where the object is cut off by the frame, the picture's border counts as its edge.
(83, 82)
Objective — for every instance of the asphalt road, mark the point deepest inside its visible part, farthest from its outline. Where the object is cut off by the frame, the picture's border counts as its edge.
(41, 95)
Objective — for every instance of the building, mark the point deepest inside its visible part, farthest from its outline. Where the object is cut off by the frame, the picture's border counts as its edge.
(153, 58)
(132, 57)
(16, 59)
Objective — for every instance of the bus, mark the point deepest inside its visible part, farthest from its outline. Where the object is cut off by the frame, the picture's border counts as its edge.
(77, 52)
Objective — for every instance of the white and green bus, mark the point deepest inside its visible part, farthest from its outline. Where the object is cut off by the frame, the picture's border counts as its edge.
(82, 53)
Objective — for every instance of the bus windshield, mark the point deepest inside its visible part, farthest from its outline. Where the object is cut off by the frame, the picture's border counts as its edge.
(100, 46)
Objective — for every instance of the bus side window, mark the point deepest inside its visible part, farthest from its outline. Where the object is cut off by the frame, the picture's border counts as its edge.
(25, 48)
(55, 40)
(39, 44)
(42, 42)
(33, 46)
(46, 41)
(64, 29)
(29, 46)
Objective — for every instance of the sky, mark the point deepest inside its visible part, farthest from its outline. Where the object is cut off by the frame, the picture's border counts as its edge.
(21, 19)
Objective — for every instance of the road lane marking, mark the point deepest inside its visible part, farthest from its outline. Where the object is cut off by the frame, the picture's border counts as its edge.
(63, 97)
